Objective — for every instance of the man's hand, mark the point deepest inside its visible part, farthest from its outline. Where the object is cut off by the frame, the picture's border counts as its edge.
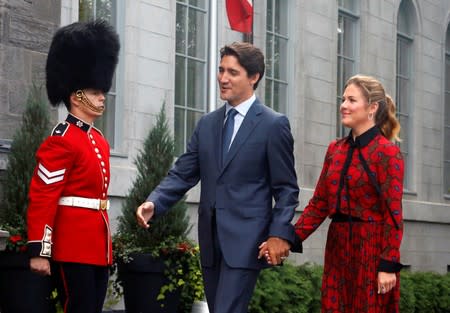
(144, 213)
(40, 265)
(275, 250)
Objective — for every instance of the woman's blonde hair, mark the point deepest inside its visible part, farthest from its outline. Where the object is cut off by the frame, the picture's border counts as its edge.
(373, 91)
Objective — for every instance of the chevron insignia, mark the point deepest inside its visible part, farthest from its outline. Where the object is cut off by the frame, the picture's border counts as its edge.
(50, 177)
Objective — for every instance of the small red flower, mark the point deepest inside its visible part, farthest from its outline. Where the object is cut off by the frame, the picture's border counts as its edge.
(15, 239)
(183, 247)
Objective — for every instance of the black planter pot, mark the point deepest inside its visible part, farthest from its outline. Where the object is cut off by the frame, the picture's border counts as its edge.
(22, 291)
(142, 280)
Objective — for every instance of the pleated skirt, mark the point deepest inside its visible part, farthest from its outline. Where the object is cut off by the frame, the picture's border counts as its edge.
(349, 283)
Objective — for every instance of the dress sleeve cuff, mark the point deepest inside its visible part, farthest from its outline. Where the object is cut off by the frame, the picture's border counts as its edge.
(389, 267)
(297, 245)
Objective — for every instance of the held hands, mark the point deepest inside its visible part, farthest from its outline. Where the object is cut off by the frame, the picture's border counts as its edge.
(386, 282)
(144, 213)
(40, 265)
(275, 250)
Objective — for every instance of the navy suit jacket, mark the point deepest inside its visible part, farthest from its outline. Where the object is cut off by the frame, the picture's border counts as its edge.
(253, 195)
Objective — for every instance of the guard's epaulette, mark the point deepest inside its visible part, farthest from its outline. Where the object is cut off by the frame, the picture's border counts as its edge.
(60, 129)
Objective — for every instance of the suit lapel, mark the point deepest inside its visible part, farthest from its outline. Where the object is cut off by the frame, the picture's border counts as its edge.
(251, 119)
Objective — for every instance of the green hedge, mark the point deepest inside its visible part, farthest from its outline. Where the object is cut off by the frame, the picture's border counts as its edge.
(296, 289)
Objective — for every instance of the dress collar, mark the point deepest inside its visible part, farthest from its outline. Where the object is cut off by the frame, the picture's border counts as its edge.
(363, 139)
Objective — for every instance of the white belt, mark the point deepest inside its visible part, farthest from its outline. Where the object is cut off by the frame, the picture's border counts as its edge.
(88, 203)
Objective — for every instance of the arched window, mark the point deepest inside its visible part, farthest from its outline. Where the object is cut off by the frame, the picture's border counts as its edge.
(348, 41)
(447, 116)
(276, 83)
(191, 68)
(404, 81)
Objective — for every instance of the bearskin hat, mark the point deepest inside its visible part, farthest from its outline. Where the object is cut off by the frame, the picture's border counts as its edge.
(82, 55)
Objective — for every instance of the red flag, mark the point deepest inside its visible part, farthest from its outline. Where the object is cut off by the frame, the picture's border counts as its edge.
(240, 15)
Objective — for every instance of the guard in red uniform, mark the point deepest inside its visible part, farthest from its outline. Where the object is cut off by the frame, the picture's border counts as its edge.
(68, 227)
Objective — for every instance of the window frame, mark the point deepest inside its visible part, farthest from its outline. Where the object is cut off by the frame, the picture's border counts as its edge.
(352, 16)
(446, 122)
(185, 132)
(270, 80)
(407, 114)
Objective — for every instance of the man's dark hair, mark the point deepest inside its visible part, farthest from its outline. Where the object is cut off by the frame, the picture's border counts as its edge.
(249, 57)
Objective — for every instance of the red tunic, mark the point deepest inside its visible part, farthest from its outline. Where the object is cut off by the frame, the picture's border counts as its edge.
(364, 237)
(73, 161)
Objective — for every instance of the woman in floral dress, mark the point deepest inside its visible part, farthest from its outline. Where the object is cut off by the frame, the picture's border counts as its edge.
(360, 188)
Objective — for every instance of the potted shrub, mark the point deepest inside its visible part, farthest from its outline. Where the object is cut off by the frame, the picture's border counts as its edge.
(162, 255)
(16, 279)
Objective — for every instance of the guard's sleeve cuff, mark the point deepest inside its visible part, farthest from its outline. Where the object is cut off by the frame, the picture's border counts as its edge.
(389, 266)
(297, 245)
(38, 249)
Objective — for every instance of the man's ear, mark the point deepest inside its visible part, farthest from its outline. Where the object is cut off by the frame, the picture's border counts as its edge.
(74, 100)
(254, 78)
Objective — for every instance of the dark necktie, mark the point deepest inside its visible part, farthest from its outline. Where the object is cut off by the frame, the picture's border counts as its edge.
(228, 129)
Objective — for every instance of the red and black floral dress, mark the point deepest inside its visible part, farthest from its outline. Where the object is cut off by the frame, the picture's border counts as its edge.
(360, 189)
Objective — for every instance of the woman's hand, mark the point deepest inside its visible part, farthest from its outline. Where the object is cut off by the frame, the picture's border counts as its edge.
(386, 282)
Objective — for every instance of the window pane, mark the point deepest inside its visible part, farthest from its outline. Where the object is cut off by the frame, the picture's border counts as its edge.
(348, 45)
(269, 55)
(103, 10)
(448, 40)
(269, 23)
(447, 147)
(404, 19)
(447, 177)
(403, 57)
(348, 70)
(340, 36)
(179, 130)
(180, 81)
(447, 73)
(268, 93)
(196, 34)
(106, 122)
(85, 10)
(280, 59)
(191, 120)
(406, 174)
(281, 19)
(198, 3)
(404, 146)
(196, 84)
(403, 95)
(181, 29)
(279, 97)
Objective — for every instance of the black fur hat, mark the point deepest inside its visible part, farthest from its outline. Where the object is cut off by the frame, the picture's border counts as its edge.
(82, 55)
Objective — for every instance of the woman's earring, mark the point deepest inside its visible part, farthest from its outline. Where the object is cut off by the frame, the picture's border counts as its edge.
(370, 116)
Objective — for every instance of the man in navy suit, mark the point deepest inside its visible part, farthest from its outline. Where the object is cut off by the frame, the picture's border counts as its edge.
(243, 155)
